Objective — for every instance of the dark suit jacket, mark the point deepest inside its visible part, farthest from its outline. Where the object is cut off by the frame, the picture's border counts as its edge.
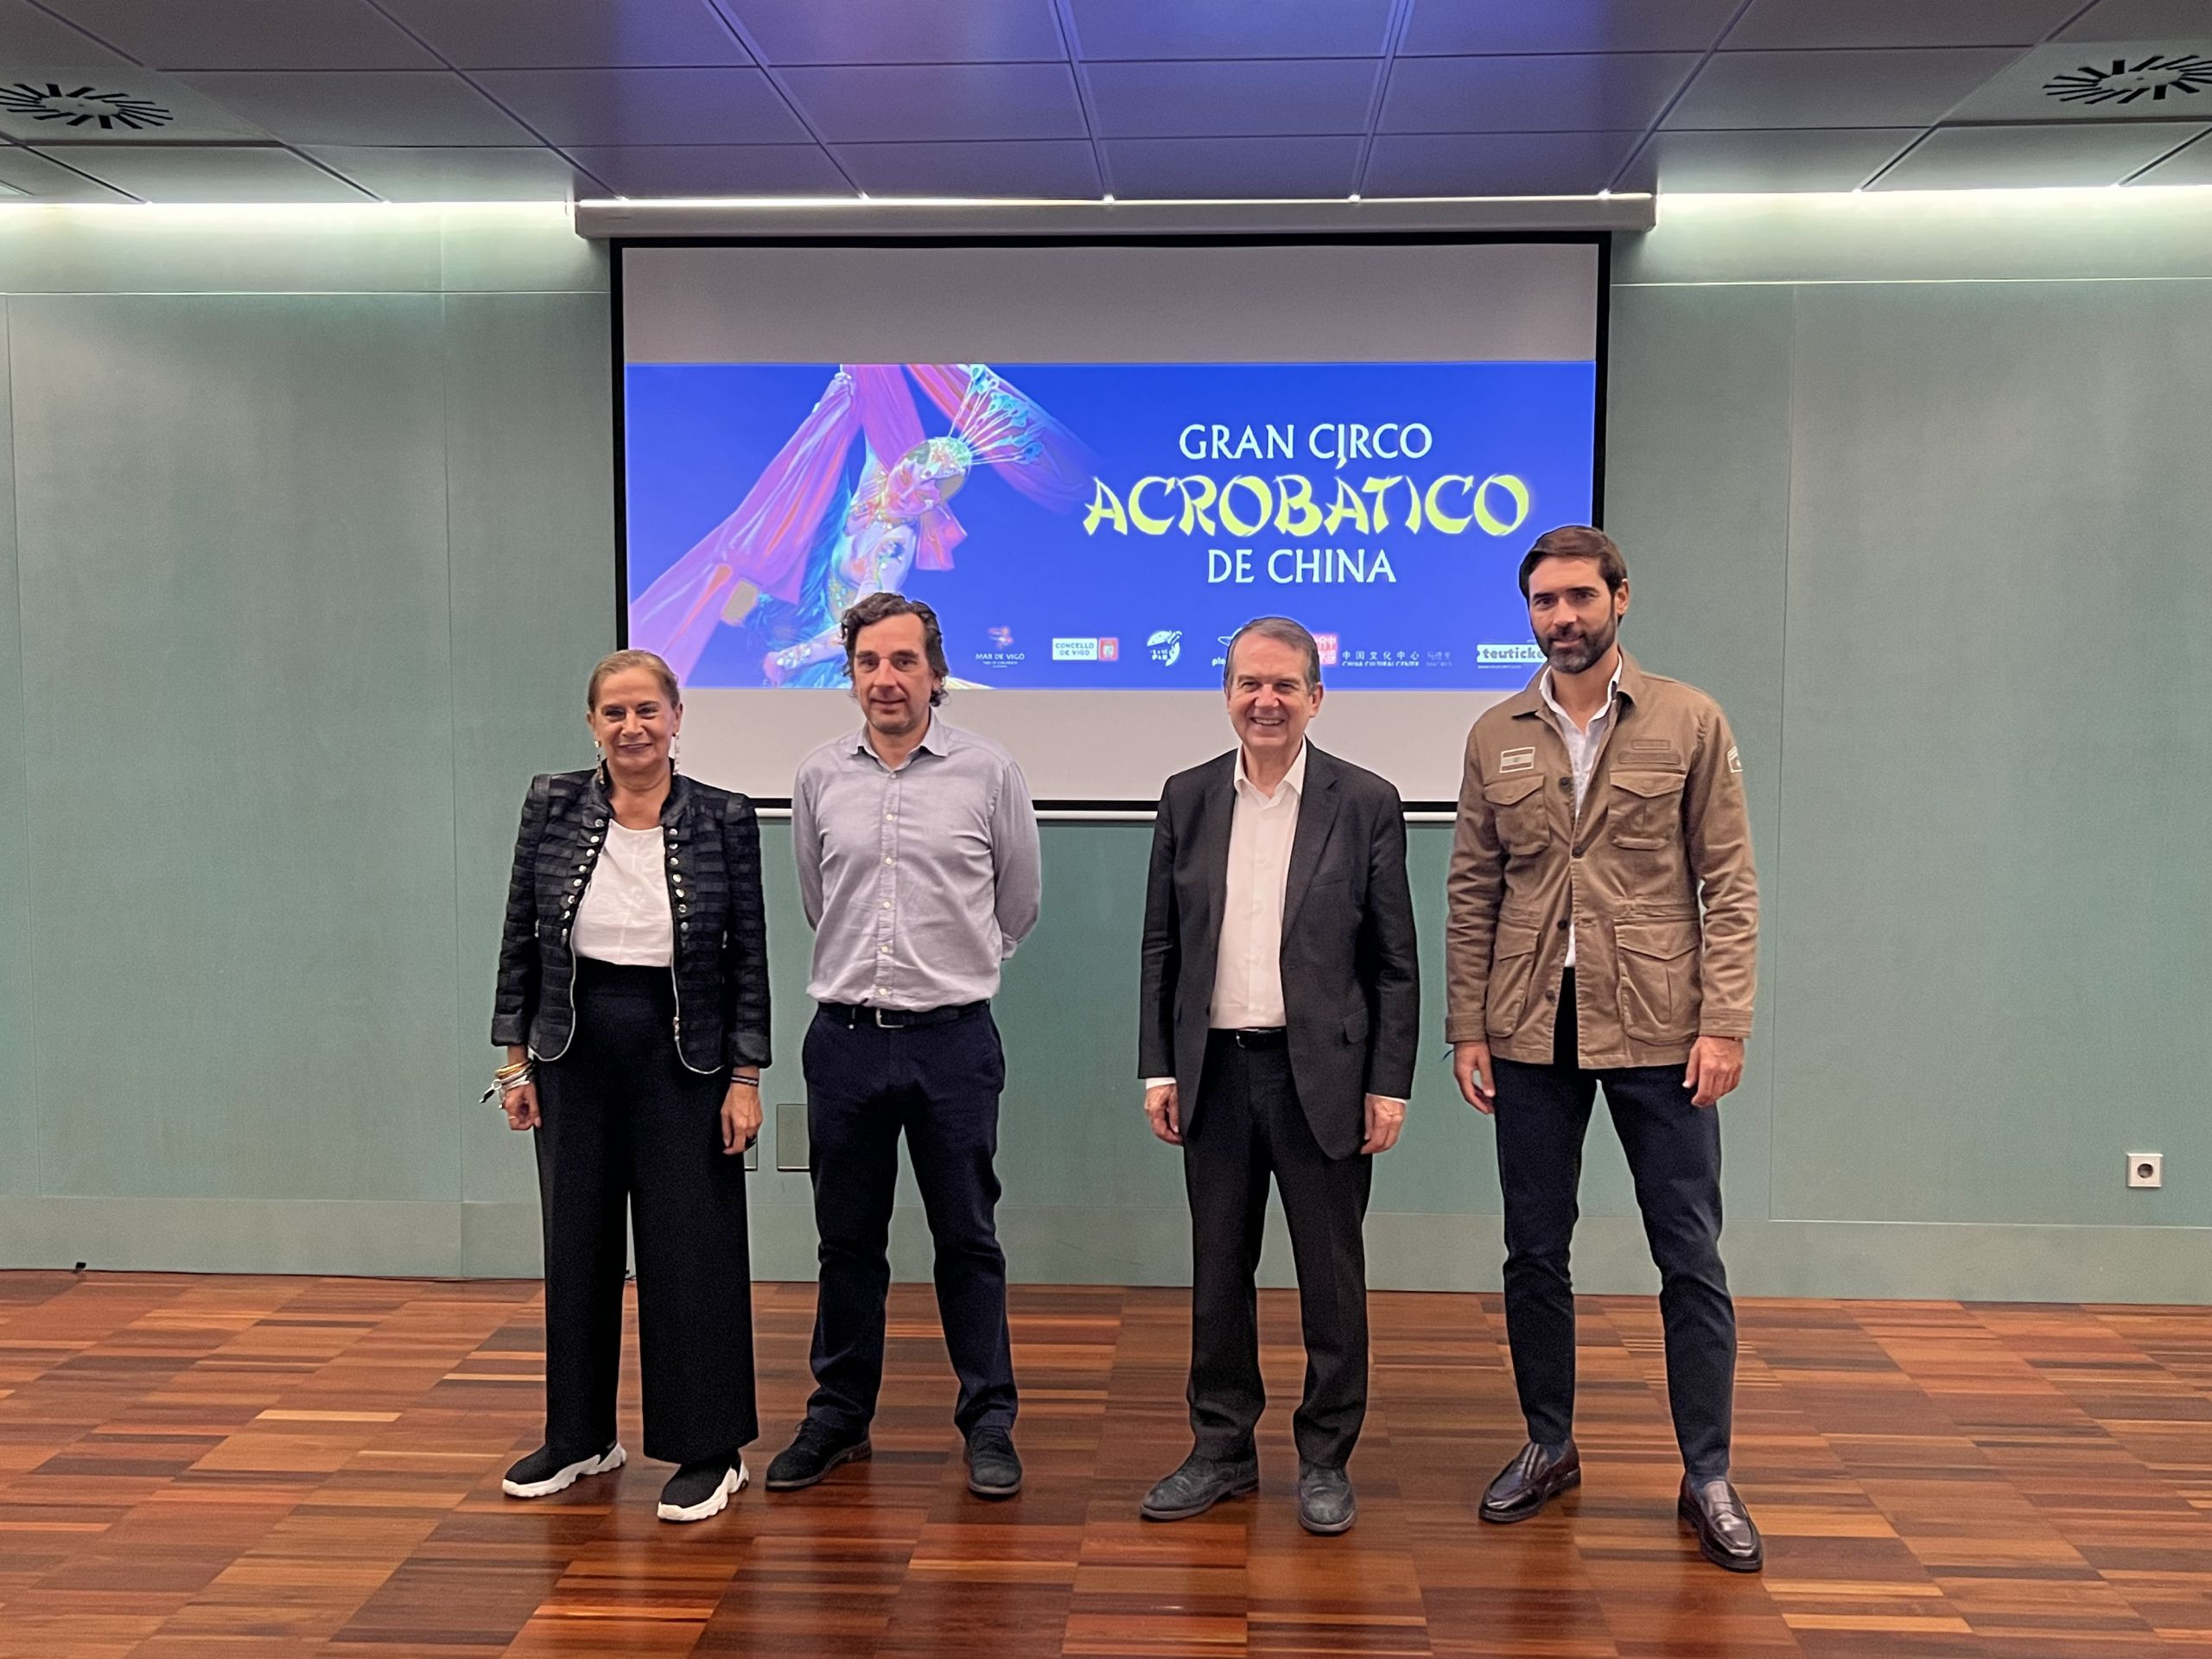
(1350, 981)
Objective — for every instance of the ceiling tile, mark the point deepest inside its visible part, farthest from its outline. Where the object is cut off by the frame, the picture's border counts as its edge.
(29, 36)
(118, 104)
(714, 169)
(1475, 27)
(903, 103)
(1898, 22)
(407, 106)
(1800, 158)
(2138, 20)
(474, 174)
(1060, 169)
(2014, 158)
(646, 106)
(571, 34)
(30, 173)
(1231, 29)
(1233, 168)
(251, 34)
(2079, 80)
(2192, 165)
(1591, 92)
(196, 173)
(1496, 163)
(1833, 89)
(1237, 98)
(898, 31)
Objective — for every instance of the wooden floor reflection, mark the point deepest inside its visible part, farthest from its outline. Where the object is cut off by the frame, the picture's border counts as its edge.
(261, 1467)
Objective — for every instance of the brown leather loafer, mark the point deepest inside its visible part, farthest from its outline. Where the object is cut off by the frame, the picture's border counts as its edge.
(1529, 1482)
(1716, 1512)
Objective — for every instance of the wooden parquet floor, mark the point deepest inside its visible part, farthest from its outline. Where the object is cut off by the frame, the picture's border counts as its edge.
(201, 1466)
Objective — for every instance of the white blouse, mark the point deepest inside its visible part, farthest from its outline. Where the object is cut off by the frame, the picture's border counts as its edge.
(624, 917)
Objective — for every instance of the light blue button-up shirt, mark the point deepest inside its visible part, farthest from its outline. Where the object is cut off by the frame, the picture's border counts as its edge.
(919, 881)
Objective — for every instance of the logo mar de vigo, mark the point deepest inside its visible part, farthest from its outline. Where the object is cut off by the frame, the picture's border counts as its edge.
(1166, 646)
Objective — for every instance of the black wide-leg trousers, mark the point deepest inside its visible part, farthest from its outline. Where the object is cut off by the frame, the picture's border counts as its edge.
(630, 1134)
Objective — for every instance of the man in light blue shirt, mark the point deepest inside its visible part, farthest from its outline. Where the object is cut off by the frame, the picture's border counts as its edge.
(919, 868)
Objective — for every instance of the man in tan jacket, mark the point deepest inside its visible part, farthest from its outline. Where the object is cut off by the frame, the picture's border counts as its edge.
(1602, 929)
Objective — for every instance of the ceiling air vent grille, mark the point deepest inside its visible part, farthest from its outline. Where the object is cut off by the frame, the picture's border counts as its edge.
(2123, 82)
(56, 102)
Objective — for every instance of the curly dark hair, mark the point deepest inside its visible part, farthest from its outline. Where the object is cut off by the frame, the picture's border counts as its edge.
(881, 607)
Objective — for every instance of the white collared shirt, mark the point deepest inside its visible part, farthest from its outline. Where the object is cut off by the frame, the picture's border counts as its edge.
(1581, 748)
(623, 916)
(1247, 969)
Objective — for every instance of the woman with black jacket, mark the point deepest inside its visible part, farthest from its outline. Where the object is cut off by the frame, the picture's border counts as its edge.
(633, 1006)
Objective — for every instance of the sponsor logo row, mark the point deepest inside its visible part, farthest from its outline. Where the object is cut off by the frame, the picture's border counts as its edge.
(1165, 647)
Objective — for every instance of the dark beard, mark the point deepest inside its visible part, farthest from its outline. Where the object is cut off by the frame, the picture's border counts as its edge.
(1574, 658)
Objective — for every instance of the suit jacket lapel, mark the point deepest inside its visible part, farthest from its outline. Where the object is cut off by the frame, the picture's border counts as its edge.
(1317, 812)
(1210, 849)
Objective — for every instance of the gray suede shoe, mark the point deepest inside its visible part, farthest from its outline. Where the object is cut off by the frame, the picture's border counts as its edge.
(1199, 1485)
(1325, 1504)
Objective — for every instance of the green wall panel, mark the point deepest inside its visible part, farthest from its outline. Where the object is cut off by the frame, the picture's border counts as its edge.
(234, 616)
(1999, 904)
(19, 1165)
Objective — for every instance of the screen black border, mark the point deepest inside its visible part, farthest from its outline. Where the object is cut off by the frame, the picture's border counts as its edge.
(617, 247)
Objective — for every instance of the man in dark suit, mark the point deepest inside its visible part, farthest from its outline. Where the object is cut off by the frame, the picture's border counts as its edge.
(1280, 1008)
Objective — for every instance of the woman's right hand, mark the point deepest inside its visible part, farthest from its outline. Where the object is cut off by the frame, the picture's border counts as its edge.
(520, 1104)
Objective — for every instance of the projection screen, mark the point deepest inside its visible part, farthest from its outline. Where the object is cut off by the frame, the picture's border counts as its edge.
(1094, 461)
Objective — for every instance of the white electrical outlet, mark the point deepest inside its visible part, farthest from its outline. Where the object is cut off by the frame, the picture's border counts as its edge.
(2146, 1169)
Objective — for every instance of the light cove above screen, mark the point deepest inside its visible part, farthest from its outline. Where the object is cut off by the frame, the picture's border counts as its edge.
(1094, 461)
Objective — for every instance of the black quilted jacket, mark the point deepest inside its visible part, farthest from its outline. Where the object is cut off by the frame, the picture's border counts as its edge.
(713, 893)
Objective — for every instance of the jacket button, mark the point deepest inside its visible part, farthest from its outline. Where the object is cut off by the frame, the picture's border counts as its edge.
(1563, 924)
(684, 910)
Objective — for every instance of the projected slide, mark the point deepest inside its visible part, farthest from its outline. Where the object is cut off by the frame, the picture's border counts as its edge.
(1085, 525)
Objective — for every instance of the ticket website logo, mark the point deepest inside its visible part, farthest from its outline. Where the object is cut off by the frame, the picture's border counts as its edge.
(1107, 649)
(1496, 656)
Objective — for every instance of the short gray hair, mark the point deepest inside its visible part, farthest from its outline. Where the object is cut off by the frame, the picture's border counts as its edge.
(1283, 630)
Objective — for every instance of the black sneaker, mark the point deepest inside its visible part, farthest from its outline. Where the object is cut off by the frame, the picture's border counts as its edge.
(546, 1471)
(817, 1450)
(699, 1489)
(994, 1467)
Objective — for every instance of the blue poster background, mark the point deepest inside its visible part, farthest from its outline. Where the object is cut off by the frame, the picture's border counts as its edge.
(697, 436)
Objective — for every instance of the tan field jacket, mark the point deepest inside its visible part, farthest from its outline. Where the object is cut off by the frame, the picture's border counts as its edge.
(1661, 828)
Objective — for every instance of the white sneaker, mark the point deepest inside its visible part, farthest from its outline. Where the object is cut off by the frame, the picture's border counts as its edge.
(699, 1489)
(541, 1474)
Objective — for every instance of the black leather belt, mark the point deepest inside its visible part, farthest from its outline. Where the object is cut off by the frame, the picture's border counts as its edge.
(859, 1013)
(1265, 1037)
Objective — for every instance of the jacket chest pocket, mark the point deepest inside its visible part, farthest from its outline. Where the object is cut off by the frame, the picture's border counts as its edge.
(1523, 818)
(1644, 810)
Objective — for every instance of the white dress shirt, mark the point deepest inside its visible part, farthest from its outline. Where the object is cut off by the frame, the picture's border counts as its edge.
(623, 917)
(1247, 969)
(1582, 749)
